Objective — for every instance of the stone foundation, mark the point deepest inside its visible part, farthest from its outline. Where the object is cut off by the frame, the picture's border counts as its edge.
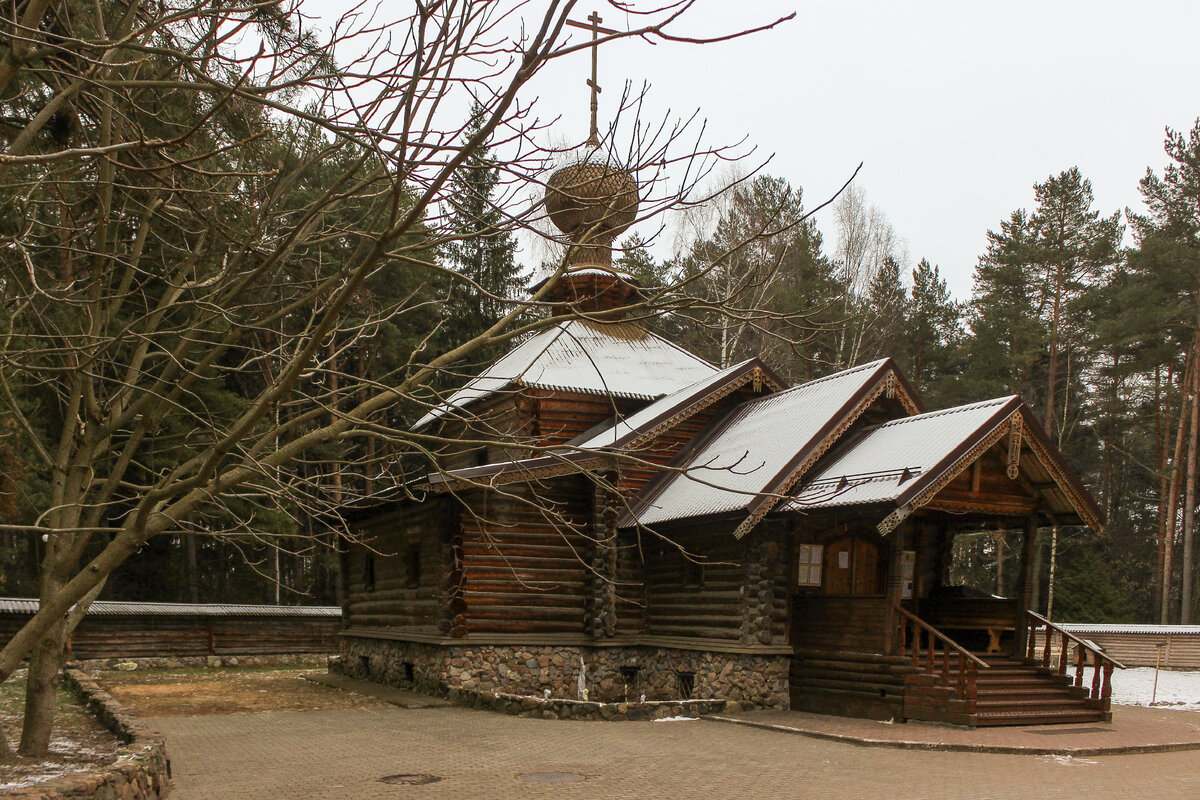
(611, 674)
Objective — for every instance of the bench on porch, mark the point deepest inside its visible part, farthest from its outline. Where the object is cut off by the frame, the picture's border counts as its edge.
(995, 615)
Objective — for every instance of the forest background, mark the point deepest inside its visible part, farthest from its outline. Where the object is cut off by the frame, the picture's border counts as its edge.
(1100, 338)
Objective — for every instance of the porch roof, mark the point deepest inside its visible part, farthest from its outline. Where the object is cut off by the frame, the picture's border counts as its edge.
(904, 463)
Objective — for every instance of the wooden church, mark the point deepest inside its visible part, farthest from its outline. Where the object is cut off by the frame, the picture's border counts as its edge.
(613, 505)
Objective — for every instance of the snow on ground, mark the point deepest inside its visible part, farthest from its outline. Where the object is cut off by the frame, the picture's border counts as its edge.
(1135, 687)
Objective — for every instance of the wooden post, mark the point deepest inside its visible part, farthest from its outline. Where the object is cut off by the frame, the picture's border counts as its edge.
(894, 585)
(1080, 663)
(972, 692)
(1062, 654)
(1025, 582)
(1106, 688)
(962, 677)
(1096, 669)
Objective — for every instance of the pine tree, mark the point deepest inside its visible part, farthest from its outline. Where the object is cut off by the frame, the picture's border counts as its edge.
(931, 349)
(481, 249)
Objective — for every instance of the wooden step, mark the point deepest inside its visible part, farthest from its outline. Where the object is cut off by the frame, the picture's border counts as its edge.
(1031, 717)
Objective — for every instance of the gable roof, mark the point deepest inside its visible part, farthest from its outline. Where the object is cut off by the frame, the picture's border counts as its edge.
(904, 463)
(629, 432)
(616, 359)
(763, 447)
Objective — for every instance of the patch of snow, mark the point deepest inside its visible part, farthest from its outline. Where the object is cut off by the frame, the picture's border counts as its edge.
(1177, 690)
(676, 719)
(1070, 761)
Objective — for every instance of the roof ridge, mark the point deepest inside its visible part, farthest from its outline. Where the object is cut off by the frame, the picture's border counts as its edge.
(941, 412)
(826, 378)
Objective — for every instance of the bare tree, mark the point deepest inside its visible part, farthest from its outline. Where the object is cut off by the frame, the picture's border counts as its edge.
(201, 201)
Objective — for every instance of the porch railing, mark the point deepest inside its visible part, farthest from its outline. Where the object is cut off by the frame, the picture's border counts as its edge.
(1102, 664)
(924, 655)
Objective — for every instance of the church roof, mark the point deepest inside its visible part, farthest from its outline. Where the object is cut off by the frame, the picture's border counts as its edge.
(626, 432)
(762, 447)
(889, 459)
(904, 463)
(616, 359)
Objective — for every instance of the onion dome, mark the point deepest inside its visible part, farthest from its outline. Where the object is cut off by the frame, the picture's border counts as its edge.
(592, 203)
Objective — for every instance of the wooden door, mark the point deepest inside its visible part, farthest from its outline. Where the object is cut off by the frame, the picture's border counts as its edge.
(852, 566)
(839, 567)
(866, 568)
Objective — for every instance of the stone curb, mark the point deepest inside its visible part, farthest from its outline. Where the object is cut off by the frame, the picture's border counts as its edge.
(900, 744)
(559, 708)
(141, 771)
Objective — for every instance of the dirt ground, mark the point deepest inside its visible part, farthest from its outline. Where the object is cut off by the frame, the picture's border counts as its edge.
(79, 742)
(199, 691)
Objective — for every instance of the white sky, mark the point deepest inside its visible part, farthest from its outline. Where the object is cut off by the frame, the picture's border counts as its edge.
(955, 108)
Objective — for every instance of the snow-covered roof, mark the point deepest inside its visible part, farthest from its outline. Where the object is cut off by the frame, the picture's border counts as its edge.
(889, 459)
(757, 445)
(608, 435)
(615, 359)
(1120, 627)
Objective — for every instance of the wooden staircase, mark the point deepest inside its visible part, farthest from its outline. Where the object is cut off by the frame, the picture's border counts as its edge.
(949, 684)
(1014, 692)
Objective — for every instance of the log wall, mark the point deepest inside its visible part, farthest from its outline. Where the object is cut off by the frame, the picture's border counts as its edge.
(395, 578)
(839, 623)
(705, 600)
(524, 569)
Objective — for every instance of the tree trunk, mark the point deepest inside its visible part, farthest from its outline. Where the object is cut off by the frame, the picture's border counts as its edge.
(1176, 487)
(41, 688)
(1162, 439)
(1053, 567)
(1189, 507)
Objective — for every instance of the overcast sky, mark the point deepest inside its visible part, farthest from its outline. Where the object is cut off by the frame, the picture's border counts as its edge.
(955, 108)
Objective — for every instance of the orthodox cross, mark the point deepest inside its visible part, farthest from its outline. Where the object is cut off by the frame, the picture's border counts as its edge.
(594, 27)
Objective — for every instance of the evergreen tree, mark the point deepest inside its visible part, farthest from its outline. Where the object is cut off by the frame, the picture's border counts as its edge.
(481, 248)
(931, 349)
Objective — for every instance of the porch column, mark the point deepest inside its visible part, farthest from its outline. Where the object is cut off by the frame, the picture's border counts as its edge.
(1028, 542)
(899, 541)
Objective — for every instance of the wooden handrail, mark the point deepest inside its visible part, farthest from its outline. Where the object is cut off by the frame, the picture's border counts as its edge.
(1081, 642)
(1100, 691)
(945, 640)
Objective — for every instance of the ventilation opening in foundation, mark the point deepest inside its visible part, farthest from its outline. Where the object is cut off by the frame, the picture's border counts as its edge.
(685, 683)
(407, 672)
(364, 666)
(629, 678)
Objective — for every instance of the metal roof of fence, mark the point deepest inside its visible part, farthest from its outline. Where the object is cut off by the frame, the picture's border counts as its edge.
(1121, 627)
(25, 605)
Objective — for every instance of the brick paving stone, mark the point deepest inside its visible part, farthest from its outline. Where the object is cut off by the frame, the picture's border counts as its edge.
(342, 754)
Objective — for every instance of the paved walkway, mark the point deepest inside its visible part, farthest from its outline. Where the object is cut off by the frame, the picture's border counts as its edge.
(477, 754)
(1133, 730)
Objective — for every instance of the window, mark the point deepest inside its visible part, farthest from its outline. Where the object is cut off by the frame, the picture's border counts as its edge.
(369, 572)
(809, 558)
(693, 572)
(412, 565)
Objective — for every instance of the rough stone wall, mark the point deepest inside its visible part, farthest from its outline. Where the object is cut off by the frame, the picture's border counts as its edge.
(751, 681)
(141, 771)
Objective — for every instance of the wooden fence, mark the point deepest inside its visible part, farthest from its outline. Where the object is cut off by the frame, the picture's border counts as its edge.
(139, 630)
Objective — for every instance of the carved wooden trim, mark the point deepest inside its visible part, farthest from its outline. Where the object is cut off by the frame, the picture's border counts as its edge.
(1015, 436)
(1063, 483)
(890, 522)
